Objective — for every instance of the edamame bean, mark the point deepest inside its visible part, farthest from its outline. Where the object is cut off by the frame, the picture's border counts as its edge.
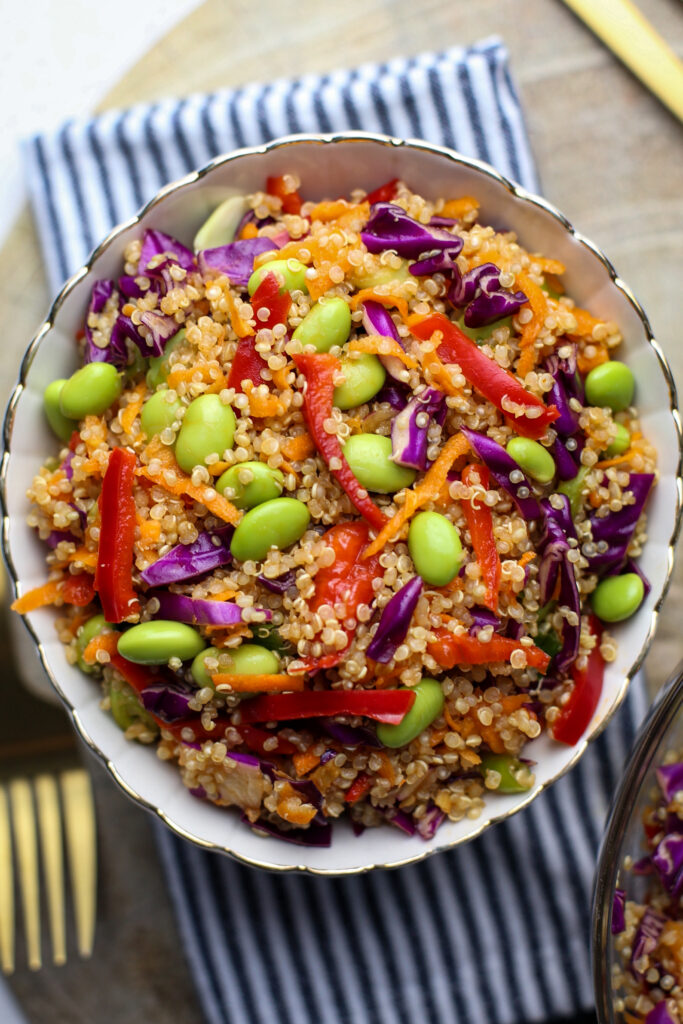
(291, 274)
(369, 456)
(428, 705)
(87, 632)
(611, 384)
(220, 228)
(328, 324)
(155, 643)
(620, 444)
(198, 669)
(533, 458)
(158, 413)
(480, 334)
(618, 597)
(574, 489)
(245, 660)
(273, 524)
(90, 390)
(60, 424)
(250, 484)
(383, 275)
(515, 776)
(136, 365)
(208, 426)
(127, 709)
(435, 548)
(365, 376)
(159, 366)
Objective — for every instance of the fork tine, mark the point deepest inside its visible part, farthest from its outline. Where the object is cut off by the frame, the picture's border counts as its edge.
(79, 819)
(24, 825)
(50, 828)
(6, 888)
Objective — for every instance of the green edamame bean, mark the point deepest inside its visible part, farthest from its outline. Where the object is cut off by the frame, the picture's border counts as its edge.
(156, 642)
(429, 701)
(515, 776)
(618, 597)
(369, 456)
(574, 489)
(384, 275)
(60, 424)
(480, 334)
(273, 524)
(208, 426)
(198, 669)
(90, 390)
(620, 444)
(291, 274)
(87, 632)
(250, 484)
(136, 364)
(160, 366)
(611, 384)
(220, 228)
(435, 548)
(365, 376)
(157, 413)
(533, 458)
(245, 660)
(127, 709)
(328, 324)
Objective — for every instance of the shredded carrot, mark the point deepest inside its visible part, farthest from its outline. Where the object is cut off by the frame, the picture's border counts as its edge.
(527, 557)
(38, 597)
(150, 530)
(587, 363)
(221, 636)
(375, 344)
(77, 621)
(287, 467)
(262, 406)
(241, 328)
(128, 415)
(209, 372)
(436, 736)
(619, 460)
(437, 370)
(595, 499)
(281, 377)
(249, 230)
(292, 807)
(223, 595)
(305, 761)
(585, 322)
(459, 208)
(469, 756)
(173, 480)
(291, 251)
(387, 769)
(102, 642)
(332, 210)
(425, 491)
(95, 430)
(549, 266)
(91, 467)
(539, 307)
(298, 448)
(85, 557)
(489, 255)
(257, 684)
(450, 722)
(218, 468)
(384, 298)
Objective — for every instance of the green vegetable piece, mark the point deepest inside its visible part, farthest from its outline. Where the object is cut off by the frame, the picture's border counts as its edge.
(328, 324)
(611, 384)
(533, 458)
(198, 669)
(365, 376)
(157, 413)
(291, 274)
(515, 776)
(549, 642)
(136, 365)
(155, 643)
(221, 227)
(250, 484)
(90, 391)
(208, 426)
(87, 632)
(126, 708)
(267, 635)
(435, 548)
(481, 334)
(252, 660)
(620, 444)
(60, 424)
(277, 523)
(384, 275)
(369, 456)
(618, 597)
(160, 366)
(574, 489)
(429, 701)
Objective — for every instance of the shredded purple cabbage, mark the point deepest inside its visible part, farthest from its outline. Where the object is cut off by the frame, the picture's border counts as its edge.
(185, 561)
(566, 385)
(348, 735)
(394, 622)
(482, 295)
(501, 465)
(55, 537)
(390, 227)
(235, 259)
(314, 835)
(156, 242)
(441, 263)
(410, 428)
(616, 529)
(377, 321)
(395, 393)
(281, 584)
(554, 548)
(618, 903)
(168, 701)
(661, 1014)
(670, 779)
(115, 351)
(428, 824)
(646, 939)
(482, 617)
(667, 859)
(180, 608)
(567, 467)
(401, 820)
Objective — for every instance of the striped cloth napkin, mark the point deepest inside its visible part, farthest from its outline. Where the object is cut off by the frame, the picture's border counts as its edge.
(494, 932)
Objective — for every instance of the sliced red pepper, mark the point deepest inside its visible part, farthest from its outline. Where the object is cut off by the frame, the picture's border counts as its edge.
(480, 524)
(484, 374)
(79, 590)
(384, 194)
(319, 369)
(247, 362)
(137, 676)
(575, 716)
(358, 788)
(113, 577)
(246, 365)
(450, 650)
(291, 201)
(389, 706)
(74, 441)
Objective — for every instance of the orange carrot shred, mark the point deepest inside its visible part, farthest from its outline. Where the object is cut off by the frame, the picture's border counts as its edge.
(180, 483)
(539, 307)
(249, 230)
(215, 380)
(375, 344)
(128, 415)
(257, 684)
(38, 597)
(298, 448)
(305, 761)
(241, 328)
(96, 431)
(102, 642)
(84, 556)
(587, 363)
(459, 208)
(384, 298)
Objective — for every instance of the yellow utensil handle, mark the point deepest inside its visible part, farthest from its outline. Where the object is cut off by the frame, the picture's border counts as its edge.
(623, 28)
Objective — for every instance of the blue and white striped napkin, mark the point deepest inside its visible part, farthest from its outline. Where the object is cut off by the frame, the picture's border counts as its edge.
(495, 932)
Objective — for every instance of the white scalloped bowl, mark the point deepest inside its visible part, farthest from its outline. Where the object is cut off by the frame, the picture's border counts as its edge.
(330, 166)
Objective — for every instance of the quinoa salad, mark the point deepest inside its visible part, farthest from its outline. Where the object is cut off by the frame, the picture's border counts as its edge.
(349, 495)
(647, 978)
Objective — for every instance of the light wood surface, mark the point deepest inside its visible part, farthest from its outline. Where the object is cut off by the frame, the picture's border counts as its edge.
(609, 155)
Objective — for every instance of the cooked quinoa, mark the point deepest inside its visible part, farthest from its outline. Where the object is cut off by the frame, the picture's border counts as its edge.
(304, 772)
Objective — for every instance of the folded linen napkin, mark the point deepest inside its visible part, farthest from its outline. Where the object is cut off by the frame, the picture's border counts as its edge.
(496, 931)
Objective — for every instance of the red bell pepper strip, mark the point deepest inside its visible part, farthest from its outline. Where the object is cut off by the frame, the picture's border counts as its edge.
(450, 650)
(291, 201)
(79, 590)
(247, 362)
(575, 716)
(319, 369)
(384, 194)
(484, 374)
(358, 788)
(113, 577)
(480, 524)
(246, 365)
(389, 706)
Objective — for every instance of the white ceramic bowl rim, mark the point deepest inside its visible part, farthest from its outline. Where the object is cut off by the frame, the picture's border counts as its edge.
(516, 191)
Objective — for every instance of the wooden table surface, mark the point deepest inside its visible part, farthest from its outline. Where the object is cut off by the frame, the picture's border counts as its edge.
(609, 155)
